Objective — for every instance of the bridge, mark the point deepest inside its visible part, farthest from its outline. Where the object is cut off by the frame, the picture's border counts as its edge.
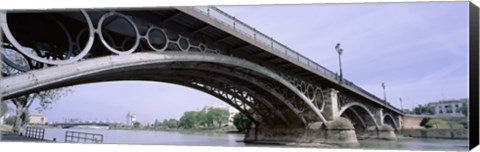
(70, 125)
(287, 97)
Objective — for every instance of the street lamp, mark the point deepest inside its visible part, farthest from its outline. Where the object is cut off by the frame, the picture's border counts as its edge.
(384, 94)
(339, 51)
(401, 105)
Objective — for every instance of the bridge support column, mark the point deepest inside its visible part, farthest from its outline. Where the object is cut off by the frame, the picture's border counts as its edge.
(384, 131)
(379, 116)
(339, 132)
(331, 104)
(400, 125)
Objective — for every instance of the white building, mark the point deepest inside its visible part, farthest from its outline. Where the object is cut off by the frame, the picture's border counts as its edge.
(130, 119)
(449, 108)
(37, 118)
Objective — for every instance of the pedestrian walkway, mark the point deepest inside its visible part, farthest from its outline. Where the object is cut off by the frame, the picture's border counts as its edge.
(17, 138)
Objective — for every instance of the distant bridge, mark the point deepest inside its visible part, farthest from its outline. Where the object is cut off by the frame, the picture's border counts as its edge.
(70, 125)
(291, 97)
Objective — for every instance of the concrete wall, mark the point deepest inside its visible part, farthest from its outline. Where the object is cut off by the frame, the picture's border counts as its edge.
(436, 133)
(411, 122)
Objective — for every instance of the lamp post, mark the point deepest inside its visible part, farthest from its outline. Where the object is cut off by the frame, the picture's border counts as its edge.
(339, 51)
(384, 94)
(401, 105)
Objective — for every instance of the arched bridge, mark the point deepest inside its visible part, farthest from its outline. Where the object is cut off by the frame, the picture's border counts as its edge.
(287, 96)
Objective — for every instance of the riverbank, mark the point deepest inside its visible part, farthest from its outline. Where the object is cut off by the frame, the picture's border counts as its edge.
(208, 131)
(461, 134)
(5, 129)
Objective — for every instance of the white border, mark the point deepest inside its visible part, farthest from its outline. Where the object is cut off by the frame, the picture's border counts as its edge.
(70, 4)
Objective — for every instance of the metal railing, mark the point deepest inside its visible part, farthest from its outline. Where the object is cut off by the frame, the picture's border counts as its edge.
(37, 133)
(248, 31)
(73, 136)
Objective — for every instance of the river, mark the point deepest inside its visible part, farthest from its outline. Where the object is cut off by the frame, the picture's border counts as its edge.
(176, 138)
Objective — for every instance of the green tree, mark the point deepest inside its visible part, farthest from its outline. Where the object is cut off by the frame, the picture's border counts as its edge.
(420, 110)
(172, 123)
(136, 124)
(240, 121)
(189, 119)
(464, 108)
(464, 122)
(436, 122)
(201, 118)
(217, 115)
(424, 122)
(10, 120)
(45, 98)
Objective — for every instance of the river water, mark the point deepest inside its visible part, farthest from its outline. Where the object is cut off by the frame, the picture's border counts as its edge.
(175, 138)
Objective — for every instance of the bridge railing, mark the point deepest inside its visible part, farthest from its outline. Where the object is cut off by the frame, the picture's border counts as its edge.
(74, 136)
(251, 32)
(246, 30)
(37, 133)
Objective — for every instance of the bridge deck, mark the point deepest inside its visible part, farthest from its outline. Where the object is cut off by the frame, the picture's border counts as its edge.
(271, 53)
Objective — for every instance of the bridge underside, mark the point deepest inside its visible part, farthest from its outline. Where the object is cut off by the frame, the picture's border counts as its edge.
(284, 102)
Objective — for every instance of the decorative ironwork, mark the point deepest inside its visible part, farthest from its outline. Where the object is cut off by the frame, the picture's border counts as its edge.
(45, 53)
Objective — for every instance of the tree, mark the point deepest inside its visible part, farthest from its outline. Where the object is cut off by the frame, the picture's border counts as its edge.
(10, 120)
(464, 122)
(218, 115)
(420, 110)
(240, 121)
(136, 124)
(201, 118)
(189, 119)
(45, 98)
(464, 108)
(157, 124)
(172, 123)
(424, 122)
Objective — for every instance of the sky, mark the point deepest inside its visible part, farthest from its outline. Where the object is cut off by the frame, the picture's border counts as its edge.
(419, 50)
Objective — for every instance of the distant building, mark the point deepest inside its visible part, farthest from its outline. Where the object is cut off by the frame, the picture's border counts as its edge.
(37, 118)
(231, 111)
(449, 108)
(130, 119)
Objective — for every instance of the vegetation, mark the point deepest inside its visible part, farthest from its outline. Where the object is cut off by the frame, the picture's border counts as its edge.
(424, 110)
(464, 122)
(464, 108)
(24, 102)
(171, 123)
(201, 119)
(136, 124)
(10, 120)
(424, 123)
(3, 108)
(436, 122)
(189, 119)
(217, 115)
(25, 118)
(240, 121)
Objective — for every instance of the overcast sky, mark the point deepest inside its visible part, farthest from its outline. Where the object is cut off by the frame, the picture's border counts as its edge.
(419, 50)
